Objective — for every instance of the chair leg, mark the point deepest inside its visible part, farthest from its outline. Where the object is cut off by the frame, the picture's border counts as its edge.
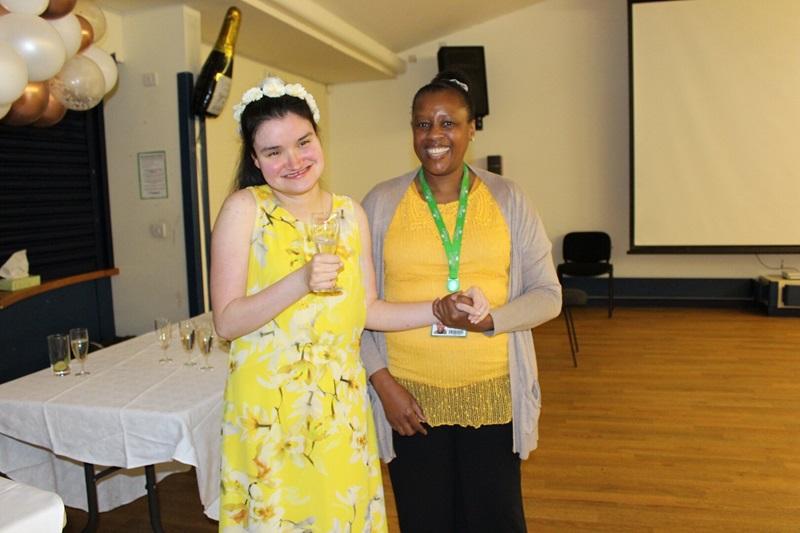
(565, 312)
(610, 294)
(573, 338)
(574, 333)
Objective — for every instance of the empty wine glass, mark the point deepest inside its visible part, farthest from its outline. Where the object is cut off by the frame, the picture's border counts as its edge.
(164, 335)
(324, 231)
(205, 340)
(186, 331)
(79, 342)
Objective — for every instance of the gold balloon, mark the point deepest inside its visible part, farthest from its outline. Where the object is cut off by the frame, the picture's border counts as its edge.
(29, 107)
(93, 15)
(3, 11)
(58, 8)
(52, 114)
(87, 33)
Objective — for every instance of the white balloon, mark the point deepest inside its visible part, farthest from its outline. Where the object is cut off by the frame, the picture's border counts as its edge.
(4, 109)
(69, 29)
(31, 7)
(15, 74)
(36, 41)
(79, 85)
(106, 64)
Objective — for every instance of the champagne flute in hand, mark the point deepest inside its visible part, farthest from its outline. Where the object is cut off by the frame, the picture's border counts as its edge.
(205, 339)
(164, 336)
(186, 331)
(324, 232)
(79, 342)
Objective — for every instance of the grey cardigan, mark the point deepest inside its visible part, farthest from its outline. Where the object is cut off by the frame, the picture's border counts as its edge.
(534, 297)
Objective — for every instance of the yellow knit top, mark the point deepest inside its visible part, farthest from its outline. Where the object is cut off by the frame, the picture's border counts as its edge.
(456, 380)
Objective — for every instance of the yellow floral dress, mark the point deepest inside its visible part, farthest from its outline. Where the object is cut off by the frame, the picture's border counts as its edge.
(299, 452)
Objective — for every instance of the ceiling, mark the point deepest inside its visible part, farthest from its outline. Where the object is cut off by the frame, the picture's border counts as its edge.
(335, 41)
(403, 24)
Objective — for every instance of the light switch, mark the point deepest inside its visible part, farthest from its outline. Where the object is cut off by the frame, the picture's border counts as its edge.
(159, 230)
(150, 79)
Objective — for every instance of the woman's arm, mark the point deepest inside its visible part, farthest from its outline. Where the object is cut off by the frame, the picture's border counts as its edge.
(540, 299)
(381, 315)
(385, 316)
(236, 313)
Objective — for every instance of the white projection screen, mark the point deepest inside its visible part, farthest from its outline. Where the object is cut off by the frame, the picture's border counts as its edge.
(715, 126)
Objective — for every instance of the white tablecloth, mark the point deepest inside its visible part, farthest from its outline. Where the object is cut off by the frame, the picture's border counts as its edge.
(130, 412)
(27, 509)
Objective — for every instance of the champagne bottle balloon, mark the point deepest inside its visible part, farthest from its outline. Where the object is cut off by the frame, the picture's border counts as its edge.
(214, 81)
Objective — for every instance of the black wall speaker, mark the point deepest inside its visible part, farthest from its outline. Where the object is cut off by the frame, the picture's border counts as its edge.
(494, 163)
(469, 60)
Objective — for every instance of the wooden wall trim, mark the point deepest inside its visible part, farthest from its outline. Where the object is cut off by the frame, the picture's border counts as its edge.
(8, 298)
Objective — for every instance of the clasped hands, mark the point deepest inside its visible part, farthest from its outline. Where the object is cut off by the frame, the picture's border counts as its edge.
(467, 310)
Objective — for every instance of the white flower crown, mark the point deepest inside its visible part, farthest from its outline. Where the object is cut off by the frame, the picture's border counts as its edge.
(273, 87)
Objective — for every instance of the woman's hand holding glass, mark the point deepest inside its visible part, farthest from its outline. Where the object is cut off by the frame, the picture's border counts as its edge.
(322, 271)
(324, 266)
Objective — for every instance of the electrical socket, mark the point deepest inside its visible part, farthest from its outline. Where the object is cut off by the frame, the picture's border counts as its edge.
(150, 79)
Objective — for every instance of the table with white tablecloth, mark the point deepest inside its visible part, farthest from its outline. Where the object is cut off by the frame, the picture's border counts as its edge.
(26, 509)
(130, 412)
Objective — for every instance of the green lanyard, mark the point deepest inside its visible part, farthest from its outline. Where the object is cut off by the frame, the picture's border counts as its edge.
(452, 247)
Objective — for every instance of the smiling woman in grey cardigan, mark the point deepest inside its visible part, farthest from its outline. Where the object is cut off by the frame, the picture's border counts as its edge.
(455, 443)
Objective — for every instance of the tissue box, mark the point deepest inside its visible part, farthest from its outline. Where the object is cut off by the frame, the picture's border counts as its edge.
(19, 283)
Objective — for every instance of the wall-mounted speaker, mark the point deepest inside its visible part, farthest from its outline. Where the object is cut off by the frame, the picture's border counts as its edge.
(494, 163)
(469, 60)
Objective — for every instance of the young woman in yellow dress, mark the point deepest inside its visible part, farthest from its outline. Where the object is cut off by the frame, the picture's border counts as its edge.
(298, 444)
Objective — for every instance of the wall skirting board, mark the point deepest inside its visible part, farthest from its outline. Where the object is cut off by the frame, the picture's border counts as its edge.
(669, 291)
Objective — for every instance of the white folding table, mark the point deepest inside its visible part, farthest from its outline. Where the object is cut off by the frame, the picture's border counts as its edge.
(131, 413)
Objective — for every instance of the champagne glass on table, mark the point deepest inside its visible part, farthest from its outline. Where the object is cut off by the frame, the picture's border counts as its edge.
(186, 331)
(79, 342)
(205, 340)
(164, 335)
(324, 232)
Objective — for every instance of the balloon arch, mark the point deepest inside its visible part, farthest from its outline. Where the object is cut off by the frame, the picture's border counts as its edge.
(49, 61)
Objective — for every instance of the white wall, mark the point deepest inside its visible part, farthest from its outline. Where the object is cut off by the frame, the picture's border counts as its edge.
(152, 279)
(558, 100)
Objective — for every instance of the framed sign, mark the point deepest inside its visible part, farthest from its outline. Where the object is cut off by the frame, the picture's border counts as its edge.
(152, 175)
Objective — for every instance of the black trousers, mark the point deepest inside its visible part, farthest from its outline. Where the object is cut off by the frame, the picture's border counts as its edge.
(458, 479)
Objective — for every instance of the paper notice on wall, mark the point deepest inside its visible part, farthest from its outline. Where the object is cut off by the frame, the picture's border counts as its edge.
(152, 175)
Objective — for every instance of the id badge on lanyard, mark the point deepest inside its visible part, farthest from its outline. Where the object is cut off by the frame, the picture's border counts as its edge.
(452, 247)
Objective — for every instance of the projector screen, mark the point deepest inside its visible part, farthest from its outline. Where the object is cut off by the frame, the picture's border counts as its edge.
(715, 126)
